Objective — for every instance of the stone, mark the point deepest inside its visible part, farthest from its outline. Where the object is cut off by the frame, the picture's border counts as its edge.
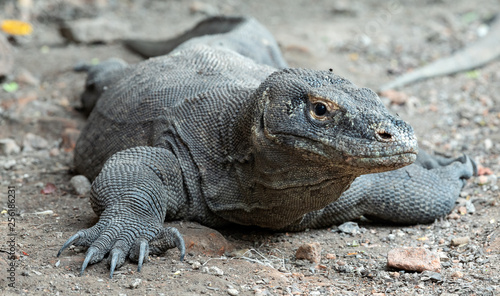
(214, 270)
(350, 228)
(458, 241)
(311, 252)
(9, 164)
(413, 259)
(9, 147)
(80, 184)
(202, 240)
(203, 8)
(32, 142)
(135, 284)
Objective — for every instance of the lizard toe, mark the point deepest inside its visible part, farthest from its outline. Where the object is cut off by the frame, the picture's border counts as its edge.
(92, 256)
(116, 259)
(140, 252)
(84, 237)
(169, 237)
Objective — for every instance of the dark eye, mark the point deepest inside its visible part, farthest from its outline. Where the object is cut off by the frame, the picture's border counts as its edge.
(320, 109)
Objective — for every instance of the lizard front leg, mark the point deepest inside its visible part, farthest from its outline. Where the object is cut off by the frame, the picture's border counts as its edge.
(418, 193)
(132, 194)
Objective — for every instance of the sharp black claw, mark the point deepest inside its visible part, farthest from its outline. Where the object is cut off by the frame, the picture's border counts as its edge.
(114, 260)
(181, 245)
(142, 254)
(68, 243)
(90, 253)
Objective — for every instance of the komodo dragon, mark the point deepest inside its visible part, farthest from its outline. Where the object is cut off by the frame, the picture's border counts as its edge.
(220, 131)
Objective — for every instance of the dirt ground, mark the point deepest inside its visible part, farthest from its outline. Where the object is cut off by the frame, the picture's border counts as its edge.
(370, 42)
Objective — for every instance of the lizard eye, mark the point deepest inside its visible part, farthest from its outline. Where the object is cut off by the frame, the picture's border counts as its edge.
(319, 109)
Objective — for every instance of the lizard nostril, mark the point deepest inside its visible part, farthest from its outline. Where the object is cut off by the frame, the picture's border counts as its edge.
(384, 136)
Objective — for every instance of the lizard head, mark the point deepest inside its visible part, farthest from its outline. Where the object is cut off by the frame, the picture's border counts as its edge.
(328, 120)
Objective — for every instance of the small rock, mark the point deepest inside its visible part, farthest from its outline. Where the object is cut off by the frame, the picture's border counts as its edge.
(203, 8)
(135, 284)
(49, 188)
(81, 184)
(9, 164)
(232, 291)
(488, 144)
(350, 228)
(331, 256)
(214, 270)
(413, 259)
(311, 252)
(469, 206)
(454, 216)
(43, 213)
(482, 180)
(458, 241)
(457, 274)
(33, 142)
(431, 275)
(8, 147)
(196, 265)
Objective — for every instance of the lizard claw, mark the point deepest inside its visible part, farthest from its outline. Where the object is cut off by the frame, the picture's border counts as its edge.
(117, 258)
(143, 250)
(69, 242)
(90, 253)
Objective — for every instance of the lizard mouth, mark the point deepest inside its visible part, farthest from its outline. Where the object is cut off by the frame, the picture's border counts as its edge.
(383, 163)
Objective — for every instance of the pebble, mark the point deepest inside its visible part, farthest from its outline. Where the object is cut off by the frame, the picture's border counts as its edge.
(457, 274)
(80, 184)
(135, 284)
(350, 228)
(32, 142)
(311, 252)
(431, 275)
(9, 147)
(413, 259)
(232, 291)
(214, 270)
(196, 265)
(458, 241)
(203, 8)
(9, 164)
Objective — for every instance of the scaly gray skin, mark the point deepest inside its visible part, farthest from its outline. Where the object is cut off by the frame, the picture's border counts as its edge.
(207, 134)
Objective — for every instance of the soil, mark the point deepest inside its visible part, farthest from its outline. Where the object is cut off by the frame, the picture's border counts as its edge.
(370, 42)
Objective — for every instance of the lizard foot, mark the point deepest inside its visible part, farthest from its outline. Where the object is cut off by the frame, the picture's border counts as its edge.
(136, 241)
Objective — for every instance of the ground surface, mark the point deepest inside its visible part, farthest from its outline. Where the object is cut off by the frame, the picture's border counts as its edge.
(369, 42)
